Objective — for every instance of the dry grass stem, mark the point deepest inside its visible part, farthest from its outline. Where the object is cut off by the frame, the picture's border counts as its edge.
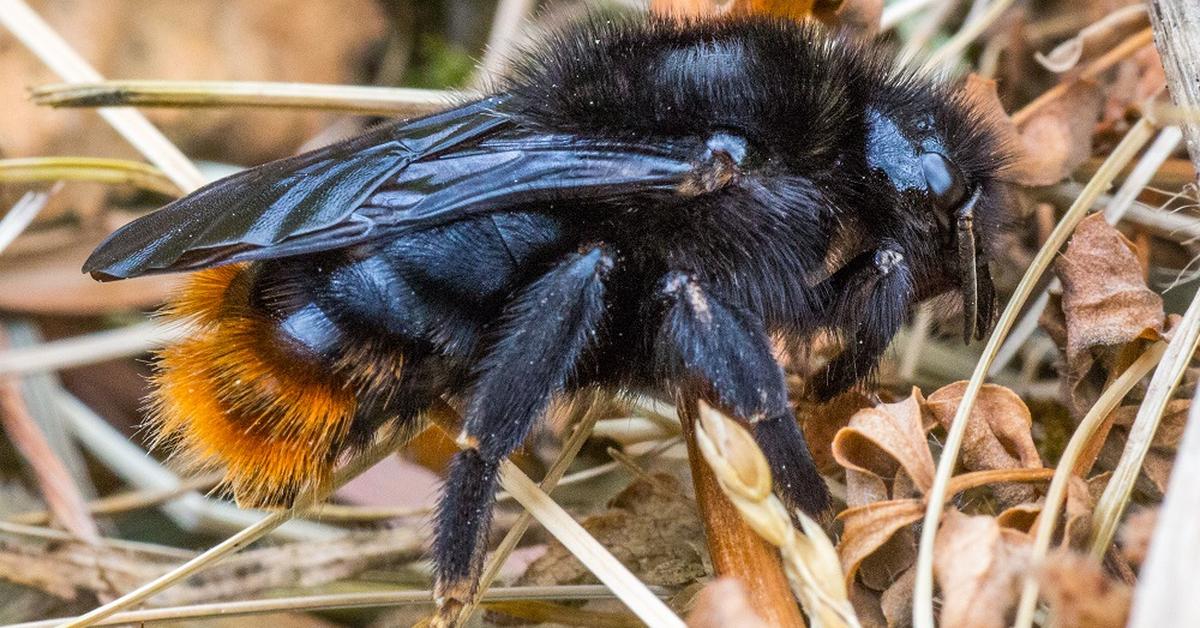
(125, 502)
(357, 99)
(896, 12)
(1057, 493)
(1124, 152)
(631, 591)
(89, 348)
(570, 448)
(1175, 360)
(91, 169)
(810, 560)
(21, 215)
(54, 534)
(54, 481)
(952, 50)
(56, 53)
(507, 22)
(331, 602)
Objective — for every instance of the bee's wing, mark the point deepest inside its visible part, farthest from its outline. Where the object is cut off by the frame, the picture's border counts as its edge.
(408, 176)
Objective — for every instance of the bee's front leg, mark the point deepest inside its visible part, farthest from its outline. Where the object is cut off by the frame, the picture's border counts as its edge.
(870, 298)
(726, 355)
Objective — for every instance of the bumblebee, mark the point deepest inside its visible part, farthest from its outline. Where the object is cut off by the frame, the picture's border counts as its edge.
(641, 205)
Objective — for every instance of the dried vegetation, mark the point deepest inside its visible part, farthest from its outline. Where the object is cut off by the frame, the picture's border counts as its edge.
(1020, 485)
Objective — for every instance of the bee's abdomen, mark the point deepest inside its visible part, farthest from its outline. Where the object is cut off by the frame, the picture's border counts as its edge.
(263, 389)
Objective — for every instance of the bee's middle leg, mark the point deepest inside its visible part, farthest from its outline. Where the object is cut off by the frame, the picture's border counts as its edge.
(726, 352)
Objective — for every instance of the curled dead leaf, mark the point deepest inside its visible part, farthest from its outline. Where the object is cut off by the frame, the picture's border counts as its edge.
(822, 422)
(1020, 517)
(1058, 138)
(1105, 299)
(885, 439)
(998, 434)
(1050, 145)
(979, 567)
(866, 528)
(896, 601)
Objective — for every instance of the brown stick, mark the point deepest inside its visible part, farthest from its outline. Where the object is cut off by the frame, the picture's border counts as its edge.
(737, 551)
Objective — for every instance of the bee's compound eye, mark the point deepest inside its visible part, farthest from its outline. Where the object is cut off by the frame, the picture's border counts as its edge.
(944, 181)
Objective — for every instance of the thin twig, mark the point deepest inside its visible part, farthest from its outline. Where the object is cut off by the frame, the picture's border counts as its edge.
(62, 536)
(90, 169)
(1133, 141)
(56, 53)
(125, 502)
(1056, 494)
(357, 99)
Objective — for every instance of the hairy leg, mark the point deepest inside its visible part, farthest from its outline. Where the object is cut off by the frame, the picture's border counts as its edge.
(726, 353)
(871, 297)
(541, 337)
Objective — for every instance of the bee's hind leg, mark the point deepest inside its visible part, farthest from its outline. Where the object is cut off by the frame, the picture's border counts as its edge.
(726, 353)
(540, 338)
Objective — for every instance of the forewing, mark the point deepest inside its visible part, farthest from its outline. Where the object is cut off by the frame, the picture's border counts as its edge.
(301, 204)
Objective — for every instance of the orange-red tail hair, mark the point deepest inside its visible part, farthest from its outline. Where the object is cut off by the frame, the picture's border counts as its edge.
(236, 396)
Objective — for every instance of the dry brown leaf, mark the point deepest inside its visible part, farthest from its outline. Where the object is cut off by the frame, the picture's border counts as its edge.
(1169, 431)
(1105, 299)
(822, 421)
(1058, 138)
(1080, 595)
(998, 433)
(866, 528)
(896, 601)
(1095, 39)
(859, 17)
(651, 527)
(1050, 145)
(1082, 496)
(878, 571)
(885, 439)
(978, 566)
(867, 607)
(864, 488)
(722, 603)
(1136, 534)
(1020, 517)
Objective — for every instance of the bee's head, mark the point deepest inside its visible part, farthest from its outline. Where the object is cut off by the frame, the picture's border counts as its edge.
(939, 161)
